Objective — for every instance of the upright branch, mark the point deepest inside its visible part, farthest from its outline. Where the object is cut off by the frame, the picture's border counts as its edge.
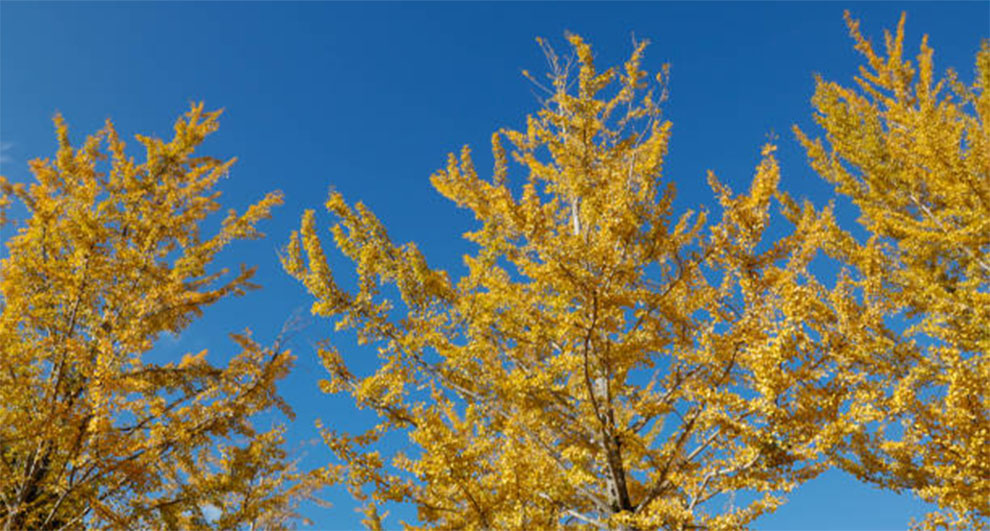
(603, 363)
(913, 154)
(110, 255)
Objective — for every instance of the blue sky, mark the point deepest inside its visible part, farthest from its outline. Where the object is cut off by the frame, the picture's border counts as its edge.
(369, 98)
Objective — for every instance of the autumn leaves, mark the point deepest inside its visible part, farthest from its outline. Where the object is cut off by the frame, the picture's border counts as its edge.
(605, 361)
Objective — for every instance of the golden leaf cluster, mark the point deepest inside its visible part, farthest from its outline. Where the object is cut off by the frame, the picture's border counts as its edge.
(912, 153)
(602, 360)
(608, 363)
(110, 257)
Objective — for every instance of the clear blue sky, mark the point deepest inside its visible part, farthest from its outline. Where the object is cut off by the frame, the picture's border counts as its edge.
(370, 98)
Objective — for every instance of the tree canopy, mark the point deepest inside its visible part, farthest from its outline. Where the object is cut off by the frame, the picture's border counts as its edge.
(111, 256)
(913, 154)
(602, 360)
(605, 362)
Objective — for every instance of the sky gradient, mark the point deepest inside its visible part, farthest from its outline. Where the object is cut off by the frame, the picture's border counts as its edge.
(370, 98)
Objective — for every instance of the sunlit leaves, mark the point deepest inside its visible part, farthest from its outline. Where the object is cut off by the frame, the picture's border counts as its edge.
(111, 255)
(913, 154)
(605, 361)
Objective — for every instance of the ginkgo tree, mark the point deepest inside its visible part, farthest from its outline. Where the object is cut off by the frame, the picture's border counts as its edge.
(912, 153)
(604, 362)
(110, 255)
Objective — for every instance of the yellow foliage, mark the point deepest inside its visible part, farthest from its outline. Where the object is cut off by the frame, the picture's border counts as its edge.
(109, 257)
(604, 362)
(913, 154)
